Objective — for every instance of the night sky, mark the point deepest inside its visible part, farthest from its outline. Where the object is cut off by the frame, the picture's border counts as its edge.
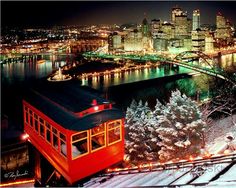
(51, 13)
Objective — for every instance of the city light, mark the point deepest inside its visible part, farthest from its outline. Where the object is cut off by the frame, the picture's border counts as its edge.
(79, 73)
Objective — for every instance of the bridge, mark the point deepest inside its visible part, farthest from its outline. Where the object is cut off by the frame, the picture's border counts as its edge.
(195, 60)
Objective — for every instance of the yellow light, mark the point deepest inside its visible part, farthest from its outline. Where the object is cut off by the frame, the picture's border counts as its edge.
(17, 183)
(25, 136)
(191, 158)
(226, 151)
(207, 154)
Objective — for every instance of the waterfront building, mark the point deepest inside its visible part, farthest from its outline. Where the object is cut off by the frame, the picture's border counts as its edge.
(114, 41)
(196, 19)
(160, 44)
(198, 40)
(177, 43)
(223, 29)
(209, 42)
(133, 41)
(187, 43)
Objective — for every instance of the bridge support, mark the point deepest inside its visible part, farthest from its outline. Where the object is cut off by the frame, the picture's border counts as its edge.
(44, 173)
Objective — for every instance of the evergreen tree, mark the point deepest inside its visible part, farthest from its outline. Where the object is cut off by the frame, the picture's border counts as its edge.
(141, 137)
(180, 128)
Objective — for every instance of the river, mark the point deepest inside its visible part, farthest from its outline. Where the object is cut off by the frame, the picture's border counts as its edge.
(146, 84)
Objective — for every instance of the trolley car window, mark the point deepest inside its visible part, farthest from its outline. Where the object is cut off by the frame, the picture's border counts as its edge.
(114, 132)
(62, 136)
(36, 124)
(26, 117)
(98, 129)
(41, 120)
(42, 129)
(63, 148)
(48, 132)
(98, 137)
(63, 144)
(54, 138)
(79, 144)
(31, 120)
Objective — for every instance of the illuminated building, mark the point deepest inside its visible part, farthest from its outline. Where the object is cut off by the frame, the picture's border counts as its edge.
(114, 41)
(168, 29)
(181, 25)
(145, 28)
(196, 19)
(187, 43)
(176, 11)
(155, 26)
(223, 30)
(209, 42)
(189, 25)
(160, 44)
(198, 40)
(133, 41)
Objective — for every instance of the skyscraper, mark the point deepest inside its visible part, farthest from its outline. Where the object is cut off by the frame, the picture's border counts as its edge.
(176, 11)
(181, 25)
(223, 29)
(145, 28)
(196, 19)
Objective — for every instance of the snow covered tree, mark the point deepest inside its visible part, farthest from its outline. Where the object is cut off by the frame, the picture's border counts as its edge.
(180, 128)
(223, 105)
(141, 136)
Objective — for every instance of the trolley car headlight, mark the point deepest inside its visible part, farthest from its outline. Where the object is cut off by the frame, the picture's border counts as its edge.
(25, 136)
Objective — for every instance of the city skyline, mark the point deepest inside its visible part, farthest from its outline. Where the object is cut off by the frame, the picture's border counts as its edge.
(30, 14)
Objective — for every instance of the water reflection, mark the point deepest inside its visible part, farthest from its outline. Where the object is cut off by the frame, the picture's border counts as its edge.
(103, 82)
(23, 71)
(227, 61)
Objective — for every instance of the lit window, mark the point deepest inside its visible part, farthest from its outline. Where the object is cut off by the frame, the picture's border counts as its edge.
(63, 144)
(79, 144)
(63, 148)
(114, 132)
(98, 137)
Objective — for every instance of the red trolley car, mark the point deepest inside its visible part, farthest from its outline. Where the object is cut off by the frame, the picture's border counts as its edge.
(76, 131)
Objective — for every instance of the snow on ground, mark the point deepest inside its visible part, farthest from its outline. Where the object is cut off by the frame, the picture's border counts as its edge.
(210, 172)
(216, 134)
(229, 176)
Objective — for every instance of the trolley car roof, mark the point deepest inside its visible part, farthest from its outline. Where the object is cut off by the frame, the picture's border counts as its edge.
(61, 102)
